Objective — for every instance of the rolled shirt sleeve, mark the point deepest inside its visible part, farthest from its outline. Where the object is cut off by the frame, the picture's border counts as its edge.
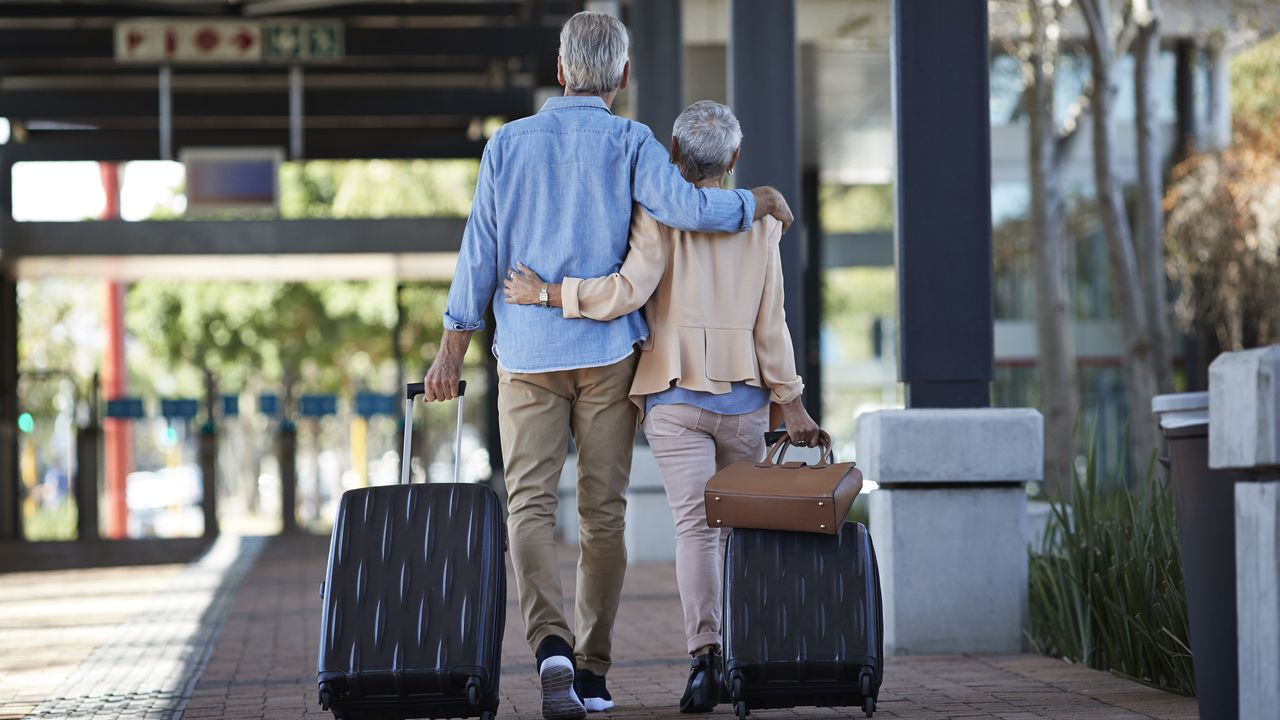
(476, 276)
(661, 190)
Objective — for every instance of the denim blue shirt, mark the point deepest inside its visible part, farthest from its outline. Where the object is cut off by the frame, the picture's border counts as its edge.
(740, 400)
(555, 192)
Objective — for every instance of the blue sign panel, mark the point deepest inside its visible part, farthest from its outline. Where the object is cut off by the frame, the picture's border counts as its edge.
(128, 407)
(268, 404)
(317, 405)
(370, 404)
(179, 409)
(230, 405)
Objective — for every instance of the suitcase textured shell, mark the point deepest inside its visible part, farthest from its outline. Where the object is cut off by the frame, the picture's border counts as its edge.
(802, 618)
(414, 602)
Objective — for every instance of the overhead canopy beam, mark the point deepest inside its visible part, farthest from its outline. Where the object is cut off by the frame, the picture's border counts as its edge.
(489, 10)
(83, 103)
(358, 42)
(321, 144)
(232, 237)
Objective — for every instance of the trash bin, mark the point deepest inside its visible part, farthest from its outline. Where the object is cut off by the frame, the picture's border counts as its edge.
(1205, 501)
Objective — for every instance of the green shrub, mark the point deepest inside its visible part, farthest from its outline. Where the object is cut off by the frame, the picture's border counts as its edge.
(1108, 591)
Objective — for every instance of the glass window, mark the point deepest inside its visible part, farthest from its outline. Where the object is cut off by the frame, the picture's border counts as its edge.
(1006, 89)
(1013, 291)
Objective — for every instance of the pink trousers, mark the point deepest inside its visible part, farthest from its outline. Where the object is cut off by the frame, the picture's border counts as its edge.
(690, 445)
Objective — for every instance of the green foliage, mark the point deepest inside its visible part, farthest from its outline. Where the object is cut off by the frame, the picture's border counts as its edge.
(322, 336)
(51, 523)
(852, 299)
(1108, 590)
(377, 188)
(59, 346)
(856, 208)
(1255, 86)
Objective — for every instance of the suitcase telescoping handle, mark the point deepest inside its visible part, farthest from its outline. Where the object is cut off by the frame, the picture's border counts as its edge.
(411, 391)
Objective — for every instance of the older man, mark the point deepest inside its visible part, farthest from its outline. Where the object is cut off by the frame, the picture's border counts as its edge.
(555, 191)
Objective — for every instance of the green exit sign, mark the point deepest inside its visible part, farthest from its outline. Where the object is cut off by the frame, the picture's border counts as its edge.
(302, 41)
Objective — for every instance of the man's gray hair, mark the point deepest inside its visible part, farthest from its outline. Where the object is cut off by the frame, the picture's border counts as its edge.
(593, 51)
(708, 134)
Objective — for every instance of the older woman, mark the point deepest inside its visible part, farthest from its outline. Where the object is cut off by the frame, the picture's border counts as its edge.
(718, 354)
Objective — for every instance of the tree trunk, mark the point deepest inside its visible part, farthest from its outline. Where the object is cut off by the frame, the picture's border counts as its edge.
(1149, 241)
(1127, 297)
(1059, 396)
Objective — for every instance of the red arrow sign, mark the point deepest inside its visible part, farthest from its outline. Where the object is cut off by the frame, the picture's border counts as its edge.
(243, 40)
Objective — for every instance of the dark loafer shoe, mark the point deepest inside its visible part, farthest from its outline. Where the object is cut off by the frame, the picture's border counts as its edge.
(706, 676)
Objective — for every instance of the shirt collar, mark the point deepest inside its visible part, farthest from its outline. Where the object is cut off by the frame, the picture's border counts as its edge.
(574, 101)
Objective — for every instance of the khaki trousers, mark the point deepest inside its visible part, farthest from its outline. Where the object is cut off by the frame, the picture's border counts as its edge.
(537, 413)
(691, 445)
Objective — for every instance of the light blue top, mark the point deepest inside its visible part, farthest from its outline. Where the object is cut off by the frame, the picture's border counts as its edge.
(740, 400)
(555, 192)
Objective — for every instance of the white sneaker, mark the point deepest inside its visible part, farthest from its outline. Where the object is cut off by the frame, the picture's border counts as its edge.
(597, 704)
(559, 700)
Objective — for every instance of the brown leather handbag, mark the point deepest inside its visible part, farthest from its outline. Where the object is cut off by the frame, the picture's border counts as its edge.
(777, 495)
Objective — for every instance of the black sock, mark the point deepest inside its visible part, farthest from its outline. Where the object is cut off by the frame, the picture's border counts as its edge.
(554, 645)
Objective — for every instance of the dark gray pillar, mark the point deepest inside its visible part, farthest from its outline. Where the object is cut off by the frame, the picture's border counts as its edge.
(1188, 124)
(943, 195)
(657, 64)
(208, 451)
(287, 449)
(763, 94)
(813, 262)
(88, 462)
(10, 482)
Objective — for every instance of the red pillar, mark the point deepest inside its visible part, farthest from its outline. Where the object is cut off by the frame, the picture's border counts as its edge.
(116, 433)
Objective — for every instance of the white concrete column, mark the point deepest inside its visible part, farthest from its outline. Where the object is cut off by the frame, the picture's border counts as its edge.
(950, 522)
(1244, 434)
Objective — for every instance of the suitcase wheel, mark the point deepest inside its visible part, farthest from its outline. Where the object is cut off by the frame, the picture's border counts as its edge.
(864, 689)
(735, 686)
(740, 708)
(325, 697)
(473, 690)
(488, 715)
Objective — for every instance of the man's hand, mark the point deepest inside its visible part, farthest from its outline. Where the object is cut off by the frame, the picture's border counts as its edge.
(770, 202)
(801, 428)
(442, 379)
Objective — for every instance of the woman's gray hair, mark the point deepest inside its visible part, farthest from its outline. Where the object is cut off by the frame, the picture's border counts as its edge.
(593, 51)
(708, 134)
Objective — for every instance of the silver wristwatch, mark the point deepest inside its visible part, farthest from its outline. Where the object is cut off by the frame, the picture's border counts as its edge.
(542, 296)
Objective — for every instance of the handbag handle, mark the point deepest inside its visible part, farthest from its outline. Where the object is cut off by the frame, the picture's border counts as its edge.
(780, 447)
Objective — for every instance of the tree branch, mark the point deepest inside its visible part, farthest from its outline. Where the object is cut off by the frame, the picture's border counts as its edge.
(1075, 111)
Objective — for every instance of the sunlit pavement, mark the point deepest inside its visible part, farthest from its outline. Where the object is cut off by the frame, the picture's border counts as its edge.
(197, 641)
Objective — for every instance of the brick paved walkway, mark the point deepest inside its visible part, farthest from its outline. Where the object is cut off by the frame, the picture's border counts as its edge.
(51, 621)
(117, 643)
(263, 665)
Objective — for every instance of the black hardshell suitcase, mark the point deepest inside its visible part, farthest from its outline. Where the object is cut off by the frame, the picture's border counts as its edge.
(803, 623)
(414, 598)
